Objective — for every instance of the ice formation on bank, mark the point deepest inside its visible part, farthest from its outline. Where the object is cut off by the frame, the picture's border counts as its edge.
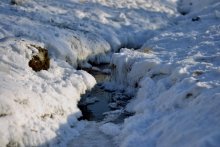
(176, 76)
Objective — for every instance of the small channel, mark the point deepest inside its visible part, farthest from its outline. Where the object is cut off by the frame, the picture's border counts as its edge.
(100, 104)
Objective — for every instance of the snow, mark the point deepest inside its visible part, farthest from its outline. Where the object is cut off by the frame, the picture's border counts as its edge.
(188, 6)
(93, 136)
(177, 95)
(34, 104)
(168, 61)
(110, 129)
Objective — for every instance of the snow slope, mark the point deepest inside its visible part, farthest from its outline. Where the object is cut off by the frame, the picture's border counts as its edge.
(176, 76)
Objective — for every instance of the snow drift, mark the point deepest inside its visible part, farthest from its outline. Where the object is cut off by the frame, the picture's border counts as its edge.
(34, 104)
(176, 76)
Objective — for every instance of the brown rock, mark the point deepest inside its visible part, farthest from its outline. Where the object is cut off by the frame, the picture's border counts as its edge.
(41, 61)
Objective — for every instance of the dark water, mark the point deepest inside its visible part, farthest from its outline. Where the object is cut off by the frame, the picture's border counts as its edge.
(109, 105)
(94, 111)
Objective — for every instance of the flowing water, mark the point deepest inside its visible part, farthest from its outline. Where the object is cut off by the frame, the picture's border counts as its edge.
(95, 103)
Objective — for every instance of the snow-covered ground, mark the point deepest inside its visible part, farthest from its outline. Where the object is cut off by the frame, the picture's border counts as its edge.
(174, 75)
(177, 78)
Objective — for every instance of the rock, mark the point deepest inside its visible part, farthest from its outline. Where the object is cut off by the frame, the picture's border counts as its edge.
(41, 61)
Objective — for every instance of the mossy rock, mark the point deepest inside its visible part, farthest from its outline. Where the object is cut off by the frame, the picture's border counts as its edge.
(41, 61)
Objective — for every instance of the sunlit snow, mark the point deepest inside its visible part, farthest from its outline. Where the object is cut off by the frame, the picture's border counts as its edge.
(163, 53)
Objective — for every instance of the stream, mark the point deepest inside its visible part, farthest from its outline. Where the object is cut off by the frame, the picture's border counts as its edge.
(100, 104)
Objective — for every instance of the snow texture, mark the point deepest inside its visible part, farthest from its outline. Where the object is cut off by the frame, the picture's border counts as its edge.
(110, 129)
(34, 104)
(40, 108)
(92, 136)
(174, 76)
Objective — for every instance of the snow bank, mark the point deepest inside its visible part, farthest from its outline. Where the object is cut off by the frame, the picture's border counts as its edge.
(35, 104)
(176, 76)
(127, 70)
(119, 23)
(75, 46)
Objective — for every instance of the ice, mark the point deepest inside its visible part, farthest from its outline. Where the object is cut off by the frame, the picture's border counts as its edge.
(91, 100)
